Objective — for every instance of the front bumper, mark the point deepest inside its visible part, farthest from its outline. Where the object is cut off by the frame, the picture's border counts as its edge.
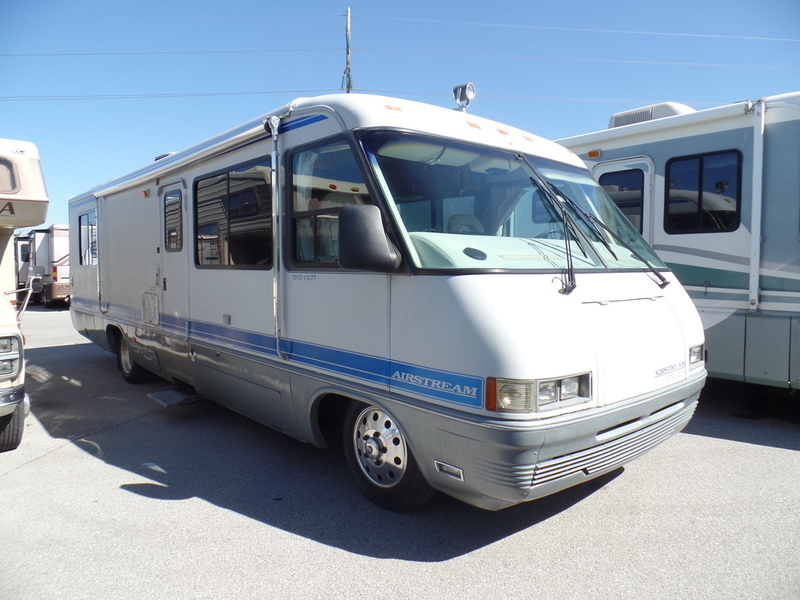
(11, 398)
(506, 463)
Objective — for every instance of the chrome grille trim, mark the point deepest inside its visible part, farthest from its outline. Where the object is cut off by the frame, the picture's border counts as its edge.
(611, 454)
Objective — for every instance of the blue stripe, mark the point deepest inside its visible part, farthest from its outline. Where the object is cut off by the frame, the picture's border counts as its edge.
(301, 122)
(446, 386)
(239, 338)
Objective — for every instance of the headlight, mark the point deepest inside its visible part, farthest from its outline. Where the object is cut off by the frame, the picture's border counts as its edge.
(697, 354)
(514, 396)
(10, 357)
(520, 396)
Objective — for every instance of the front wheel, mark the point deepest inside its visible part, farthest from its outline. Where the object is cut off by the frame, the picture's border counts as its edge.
(11, 427)
(380, 461)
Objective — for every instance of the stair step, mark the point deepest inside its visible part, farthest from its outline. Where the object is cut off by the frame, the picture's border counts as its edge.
(172, 396)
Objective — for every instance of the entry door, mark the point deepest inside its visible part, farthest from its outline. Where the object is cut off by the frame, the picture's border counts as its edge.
(629, 182)
(103, 236)
(171, 275)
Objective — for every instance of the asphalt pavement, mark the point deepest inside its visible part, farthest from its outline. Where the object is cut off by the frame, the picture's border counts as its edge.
(111, 496)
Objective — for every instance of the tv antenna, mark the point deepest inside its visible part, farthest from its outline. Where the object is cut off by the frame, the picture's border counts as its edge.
(347, 78)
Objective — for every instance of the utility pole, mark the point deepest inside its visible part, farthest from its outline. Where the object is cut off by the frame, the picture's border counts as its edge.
(347, 79)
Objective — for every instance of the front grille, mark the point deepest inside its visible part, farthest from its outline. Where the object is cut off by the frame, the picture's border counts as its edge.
(611, 454)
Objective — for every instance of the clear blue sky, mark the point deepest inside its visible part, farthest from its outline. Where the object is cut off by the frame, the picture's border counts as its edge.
(102, 87)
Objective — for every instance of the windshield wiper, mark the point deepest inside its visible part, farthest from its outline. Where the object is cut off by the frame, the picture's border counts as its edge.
(594, 222)
(570, 226)
(584, 217)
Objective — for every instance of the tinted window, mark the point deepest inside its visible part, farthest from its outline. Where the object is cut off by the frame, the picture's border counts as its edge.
(8, 181)
(625, 188)
(173, 221)
(323, 179)
(703, 193)
(87, 238)
(234, 218)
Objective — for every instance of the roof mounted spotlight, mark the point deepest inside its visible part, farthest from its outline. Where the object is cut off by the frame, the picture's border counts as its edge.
(463, 95)
(271, 124)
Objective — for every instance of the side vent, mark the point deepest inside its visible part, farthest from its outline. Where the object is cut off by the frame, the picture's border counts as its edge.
(648, 113)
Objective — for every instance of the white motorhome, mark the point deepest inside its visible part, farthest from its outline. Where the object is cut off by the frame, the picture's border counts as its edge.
(457, 298)
(47, 251)
(716, 193)
(23, 203)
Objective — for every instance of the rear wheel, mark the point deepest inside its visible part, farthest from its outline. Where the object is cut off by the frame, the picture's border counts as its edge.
(380, 461)
(131, 372)
(11, 429)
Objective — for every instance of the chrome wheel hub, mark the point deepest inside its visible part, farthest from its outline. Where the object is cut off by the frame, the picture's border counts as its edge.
(380, 447)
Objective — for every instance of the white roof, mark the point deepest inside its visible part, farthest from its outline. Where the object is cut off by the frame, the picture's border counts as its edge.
(355, 111)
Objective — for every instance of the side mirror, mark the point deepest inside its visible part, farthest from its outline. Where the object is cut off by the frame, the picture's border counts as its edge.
(34, 279)
(363, 244)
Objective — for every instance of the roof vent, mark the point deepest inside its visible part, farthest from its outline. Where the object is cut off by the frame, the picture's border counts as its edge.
(648, 113)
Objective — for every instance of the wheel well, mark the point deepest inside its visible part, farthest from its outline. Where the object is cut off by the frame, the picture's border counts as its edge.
(330, 416)
(113, 335)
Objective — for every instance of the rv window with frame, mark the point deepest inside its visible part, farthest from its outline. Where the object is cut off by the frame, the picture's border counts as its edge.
(703, 193)
(323, 179)
(87, 238)
(233, 212)
(8, 179)
(625, 188)
(173, 221)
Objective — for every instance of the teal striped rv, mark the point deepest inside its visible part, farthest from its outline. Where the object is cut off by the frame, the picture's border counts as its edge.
(717, 194)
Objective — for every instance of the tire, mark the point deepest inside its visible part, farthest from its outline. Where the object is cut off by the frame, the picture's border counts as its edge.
(11, 427)
(380, 460)
(131, 371)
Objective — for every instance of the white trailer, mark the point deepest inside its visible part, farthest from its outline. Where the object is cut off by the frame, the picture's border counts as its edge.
(47, 251)
(23, 203)
(716, 193)
(437, 286)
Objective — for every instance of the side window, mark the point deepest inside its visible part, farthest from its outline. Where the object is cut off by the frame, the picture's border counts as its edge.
(626, 190)
(25, 252)
(234, 218)
(8, 179)
(323, 179)
(173, 221)
(87, 238)
(703, 193)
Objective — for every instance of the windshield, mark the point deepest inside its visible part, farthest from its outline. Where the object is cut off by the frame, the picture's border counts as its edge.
(462, 206)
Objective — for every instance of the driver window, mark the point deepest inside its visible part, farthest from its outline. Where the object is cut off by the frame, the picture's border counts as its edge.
(324, 178)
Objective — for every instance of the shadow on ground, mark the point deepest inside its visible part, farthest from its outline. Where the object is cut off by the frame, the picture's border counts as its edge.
(748, 413)
(205, 451)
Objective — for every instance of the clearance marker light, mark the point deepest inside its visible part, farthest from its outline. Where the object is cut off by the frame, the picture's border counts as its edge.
(594, 154)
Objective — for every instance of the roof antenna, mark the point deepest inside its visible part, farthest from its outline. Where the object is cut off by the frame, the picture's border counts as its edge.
(347, 79)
